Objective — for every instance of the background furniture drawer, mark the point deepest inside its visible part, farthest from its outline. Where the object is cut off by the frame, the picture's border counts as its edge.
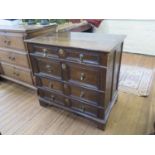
(53, 68)
(15, 58)
(12, 40)
(50, 84)
(17, 73)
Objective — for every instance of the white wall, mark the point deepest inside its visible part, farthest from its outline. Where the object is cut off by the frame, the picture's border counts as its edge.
(140, 34)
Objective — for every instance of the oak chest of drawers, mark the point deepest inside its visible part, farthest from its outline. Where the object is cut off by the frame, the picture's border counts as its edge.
(78, 72)
(14, 59)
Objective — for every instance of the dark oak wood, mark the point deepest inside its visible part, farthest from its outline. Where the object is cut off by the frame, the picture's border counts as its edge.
(103, 43)
(78, 72)
(14, 54)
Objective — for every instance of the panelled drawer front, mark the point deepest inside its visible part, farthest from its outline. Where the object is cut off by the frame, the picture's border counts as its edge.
(81, 107)
(51, 96)
(12, 40)
(83, 74)
(69, 72)
(45, 51)
(80, 93)
(50, 84)
(75, 55)
(20, 59)
(86, 94)
(49, 67)
(73, 104)
(83, 56)
(17, 73)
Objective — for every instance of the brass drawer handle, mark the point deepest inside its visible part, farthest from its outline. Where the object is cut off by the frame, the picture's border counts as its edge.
(65, 86)
(9, 57)
(67, 100)
(82, 94)
(8, 42)
(63, 66)
(17, 74)
(82, 77)
(51, 85)
(52, 97)
(49, 68)
(44, 52)
(81, 57)
(13, 58)
(82, 107)
(61, 51)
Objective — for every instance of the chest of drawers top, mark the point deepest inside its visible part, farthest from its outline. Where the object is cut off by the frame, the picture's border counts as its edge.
(87, 41)
(23, 28)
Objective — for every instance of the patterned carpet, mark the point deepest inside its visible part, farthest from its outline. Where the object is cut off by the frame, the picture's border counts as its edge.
(135, 80)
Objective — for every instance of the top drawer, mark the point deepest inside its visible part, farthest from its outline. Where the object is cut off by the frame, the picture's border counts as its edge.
(74, 55)
(12, 40)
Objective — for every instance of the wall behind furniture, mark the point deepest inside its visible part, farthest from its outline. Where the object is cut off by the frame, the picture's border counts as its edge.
(140, 34)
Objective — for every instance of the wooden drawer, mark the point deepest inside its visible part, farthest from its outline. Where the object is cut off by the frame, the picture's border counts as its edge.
(45, 51)
(85, 94)
(12, 40)
(73, 104)
(88, 95)
(52, 68)
(15, 58)
(69, 72)
(82, 56)
(50, 84)
(75, 55)
(85, 75)
(16, 73)
(52, 97)
(84, 108)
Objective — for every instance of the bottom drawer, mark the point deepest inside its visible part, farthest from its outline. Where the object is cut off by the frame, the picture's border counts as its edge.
(75, 105)
(51, 96)
(17, 73)
(87, 109)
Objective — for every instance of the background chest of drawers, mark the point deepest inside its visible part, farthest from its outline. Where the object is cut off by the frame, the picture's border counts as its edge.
(14, 59)
(78, 72)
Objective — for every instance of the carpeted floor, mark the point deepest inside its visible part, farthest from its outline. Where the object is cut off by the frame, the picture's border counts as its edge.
(135, 80)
